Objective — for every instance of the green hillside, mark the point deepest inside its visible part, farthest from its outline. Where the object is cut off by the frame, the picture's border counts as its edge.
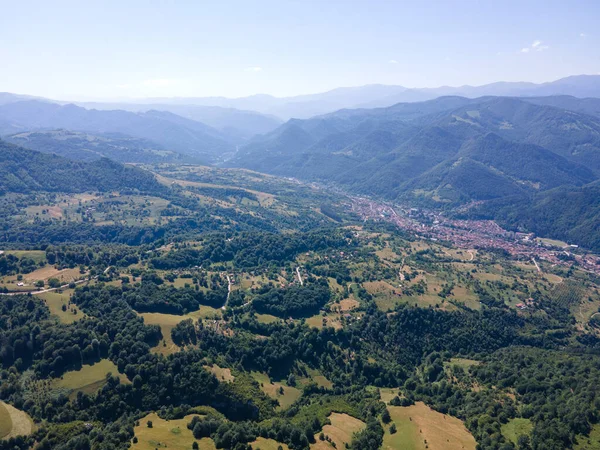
(23, 170)
(90, 147)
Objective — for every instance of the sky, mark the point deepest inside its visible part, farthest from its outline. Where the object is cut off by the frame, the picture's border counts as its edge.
(84, 50)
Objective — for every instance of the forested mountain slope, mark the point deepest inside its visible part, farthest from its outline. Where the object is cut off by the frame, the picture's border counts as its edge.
(23, 170)
(81, 146)
(379, 151)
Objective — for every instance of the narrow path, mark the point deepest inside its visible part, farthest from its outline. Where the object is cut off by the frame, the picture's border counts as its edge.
(472, 255)
(299, 276)
(536, 265)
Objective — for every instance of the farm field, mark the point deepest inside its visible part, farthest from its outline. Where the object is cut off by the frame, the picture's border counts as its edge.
(419, 427)
(89, 378)
(170, 434)
(14, 422)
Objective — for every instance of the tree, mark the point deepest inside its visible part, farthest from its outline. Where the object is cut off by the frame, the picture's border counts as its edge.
(393, 428)
(385, 416)
(54, 283)
(149, 423)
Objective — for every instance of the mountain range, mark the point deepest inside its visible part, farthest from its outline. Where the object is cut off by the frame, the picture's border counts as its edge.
(378, 95)
(168, 130)
(417, 149)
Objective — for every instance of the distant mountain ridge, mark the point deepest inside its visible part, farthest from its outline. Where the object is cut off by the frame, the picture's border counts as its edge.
(172, 132)
(378, 95)
(259, 114)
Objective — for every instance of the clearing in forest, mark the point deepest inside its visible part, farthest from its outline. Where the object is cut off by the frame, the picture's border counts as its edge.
(267, 444)
(222, 374)
(168, 321)
(171, 434)
(14, 422)
(285, 395)
(342, 429)
(515, 428)
(55, 301)
(89, 379)
(420, 427)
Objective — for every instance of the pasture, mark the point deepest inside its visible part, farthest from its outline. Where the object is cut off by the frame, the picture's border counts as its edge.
(89, 379)
(420, 427)
(168, 321)
(222, 374)
(515, 428)
(55, 301)
(171, 434)
(285, 395)
(341, 431)
(267, 444)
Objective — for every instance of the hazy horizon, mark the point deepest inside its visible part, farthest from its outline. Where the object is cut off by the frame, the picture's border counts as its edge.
(111, 51)
(257, 94)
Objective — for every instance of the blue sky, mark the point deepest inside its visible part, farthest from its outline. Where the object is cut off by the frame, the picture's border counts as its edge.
(119, 49)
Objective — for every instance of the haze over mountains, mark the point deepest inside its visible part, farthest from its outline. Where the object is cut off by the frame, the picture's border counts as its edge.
(376, 95)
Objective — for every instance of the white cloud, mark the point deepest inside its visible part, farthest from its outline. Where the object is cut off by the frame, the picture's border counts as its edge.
(123, 86)
(392, 61)
(159, 82)
(536, 46)
(582, 35)
(253, 69)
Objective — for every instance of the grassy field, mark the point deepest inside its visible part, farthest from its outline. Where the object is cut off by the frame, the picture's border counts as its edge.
(89, 378)
(171, 434)
(340, 431)
(266, 444)
(14, 422)
(515, 428)
(419, 427)
(463, 362)
(55, 301)
(267, 318)
(589, 443)
(273, 390)
(37, 255)
(222, 374)
(168, 321)
(387, 394)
